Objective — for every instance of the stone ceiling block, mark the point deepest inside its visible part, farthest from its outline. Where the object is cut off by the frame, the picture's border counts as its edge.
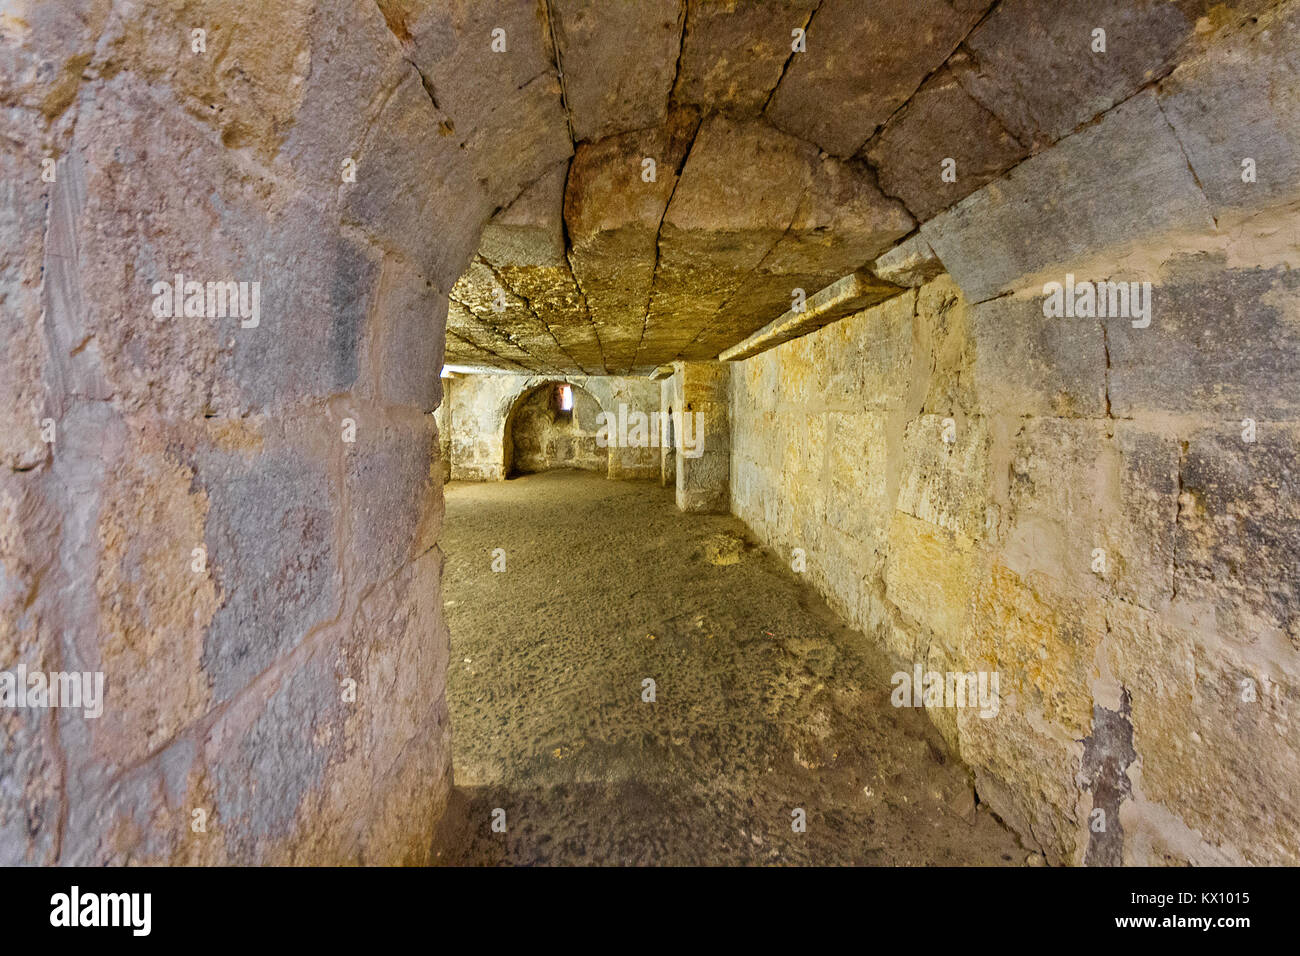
(503, 108)
(940, 122)
(1239, 100)
(1035, 69)
(1129, 180)
(609, 91)
(733, 54)
(863, 61)
(613, 216)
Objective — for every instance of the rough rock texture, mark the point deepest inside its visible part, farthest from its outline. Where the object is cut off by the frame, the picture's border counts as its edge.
(867, 60)
(540, 436)
(703, 454)
(234, 522)
(483, 410)
(1099, 509)
(193, 523)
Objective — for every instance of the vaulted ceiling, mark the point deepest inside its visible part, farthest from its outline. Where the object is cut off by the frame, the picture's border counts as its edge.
(691, 170)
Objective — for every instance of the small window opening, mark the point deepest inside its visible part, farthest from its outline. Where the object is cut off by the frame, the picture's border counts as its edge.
(564, 394)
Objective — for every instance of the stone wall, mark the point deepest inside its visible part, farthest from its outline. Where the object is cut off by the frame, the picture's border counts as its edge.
(481, 406)
(181, 507)
(697, 393)
(1099, 510)
(540, 436)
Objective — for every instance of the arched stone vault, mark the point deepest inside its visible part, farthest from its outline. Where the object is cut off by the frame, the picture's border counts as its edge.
(198, 526)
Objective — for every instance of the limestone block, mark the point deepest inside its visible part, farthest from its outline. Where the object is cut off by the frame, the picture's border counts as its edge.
(1042, 643)
(613, 218)
(411, 175)
(943, 483)
(609, 91)
(929, 574)
(911, 263)
(845, 296)
(504, 108)
(857, 467)
(409, 321)
(1219, 344)
(941, 122)
(1029, 364)
(866, 62)
(1129, 182)
(1239, 100)
(1214, 728)
(273, 588)
(1238, 529)
(733, 54)
(1035, 68)
(394, 514)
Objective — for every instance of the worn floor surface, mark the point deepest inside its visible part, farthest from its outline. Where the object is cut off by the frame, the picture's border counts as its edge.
(764, 702)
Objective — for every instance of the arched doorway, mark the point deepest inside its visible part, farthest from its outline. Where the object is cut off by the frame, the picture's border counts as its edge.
(554, 425)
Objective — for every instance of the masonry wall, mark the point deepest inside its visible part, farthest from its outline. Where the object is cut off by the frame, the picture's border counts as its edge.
(539, 436)
(179, 506)
(482, 404)
(701, 391)
(1113, 526)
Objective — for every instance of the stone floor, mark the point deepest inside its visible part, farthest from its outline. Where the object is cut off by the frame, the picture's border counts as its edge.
(764, 702)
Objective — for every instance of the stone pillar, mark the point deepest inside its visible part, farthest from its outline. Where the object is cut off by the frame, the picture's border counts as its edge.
(700, 393)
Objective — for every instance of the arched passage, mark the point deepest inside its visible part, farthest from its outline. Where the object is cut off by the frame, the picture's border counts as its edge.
(554, 425)
(950, 461)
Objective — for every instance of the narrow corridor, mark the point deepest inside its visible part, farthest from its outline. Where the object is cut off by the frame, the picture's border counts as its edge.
(764, 703)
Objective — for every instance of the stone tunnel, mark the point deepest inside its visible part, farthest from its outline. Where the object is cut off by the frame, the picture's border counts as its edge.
(906, 395)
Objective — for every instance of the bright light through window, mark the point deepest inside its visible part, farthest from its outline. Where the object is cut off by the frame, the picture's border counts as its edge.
(566, 398)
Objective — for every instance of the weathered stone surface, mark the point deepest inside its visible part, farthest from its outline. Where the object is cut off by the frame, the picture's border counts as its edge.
(1129, 182)
(1237, 531)
(482, 289)
(929, 573)
(911, 263)
(613, 217)
(1239, 100)
(702, 389)
(941, 122)
(387, 466)
(853, 293)
(1028, 364)
(867, 63)
(608, 91)
(842, 222)
(1235, 366)
(1204, 709)
(733, 54)
(394, 200)
(525, 245)
(472, 342)
(728, 263)
(273, 589)
(1035, 68)
(503, 109)
(941, 481)
(410, 332)
(739, 191)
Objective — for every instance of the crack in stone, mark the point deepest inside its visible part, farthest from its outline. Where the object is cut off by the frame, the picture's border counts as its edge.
(559, 72)
(789, 60)
(659, 233)
(532, 310)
